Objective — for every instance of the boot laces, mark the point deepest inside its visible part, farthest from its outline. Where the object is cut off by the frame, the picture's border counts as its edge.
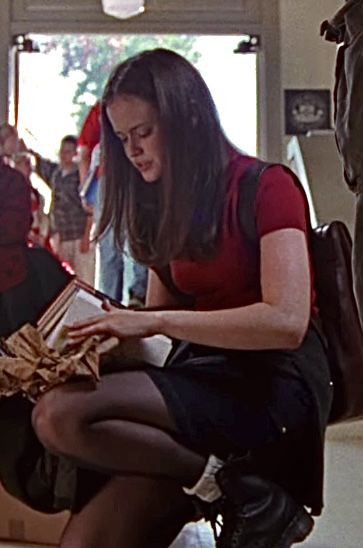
(231, 528)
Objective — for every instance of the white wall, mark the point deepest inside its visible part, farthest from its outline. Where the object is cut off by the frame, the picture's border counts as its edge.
(307, 60)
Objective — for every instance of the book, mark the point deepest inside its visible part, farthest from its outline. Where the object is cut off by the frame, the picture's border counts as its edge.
(89, 189)
(79, 301)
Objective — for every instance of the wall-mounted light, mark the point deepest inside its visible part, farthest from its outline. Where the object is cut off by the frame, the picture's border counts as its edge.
(122, 9)
(249, 44)
(23, 43)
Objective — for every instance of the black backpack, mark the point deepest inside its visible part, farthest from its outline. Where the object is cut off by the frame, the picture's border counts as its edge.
(338, 320)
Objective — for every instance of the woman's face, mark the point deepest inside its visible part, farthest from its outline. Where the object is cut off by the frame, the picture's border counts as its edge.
(136, 123)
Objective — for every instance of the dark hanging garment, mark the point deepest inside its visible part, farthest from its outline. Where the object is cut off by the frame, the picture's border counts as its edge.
(346, 29)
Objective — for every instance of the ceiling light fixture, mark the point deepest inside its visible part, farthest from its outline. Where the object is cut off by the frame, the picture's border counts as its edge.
(122, 9)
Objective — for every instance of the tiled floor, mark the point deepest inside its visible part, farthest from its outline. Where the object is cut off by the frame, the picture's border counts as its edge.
(191, 537)
(340, 526)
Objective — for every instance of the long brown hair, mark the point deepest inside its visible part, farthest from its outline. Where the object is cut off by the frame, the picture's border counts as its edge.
(179, 215)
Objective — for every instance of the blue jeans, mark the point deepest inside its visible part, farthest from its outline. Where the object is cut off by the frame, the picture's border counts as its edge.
(114, 264)
(111, 267)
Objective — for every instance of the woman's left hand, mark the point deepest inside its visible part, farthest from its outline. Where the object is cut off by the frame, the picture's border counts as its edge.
(120, 323)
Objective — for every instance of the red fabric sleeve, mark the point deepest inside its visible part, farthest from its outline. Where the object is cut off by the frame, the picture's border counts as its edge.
(91, 130)
(280, 203)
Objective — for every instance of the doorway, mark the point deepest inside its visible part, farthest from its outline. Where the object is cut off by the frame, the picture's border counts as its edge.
(65, 74)
(59, 82)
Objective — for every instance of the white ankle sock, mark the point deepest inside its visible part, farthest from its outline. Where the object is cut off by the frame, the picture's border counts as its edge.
(206, 487)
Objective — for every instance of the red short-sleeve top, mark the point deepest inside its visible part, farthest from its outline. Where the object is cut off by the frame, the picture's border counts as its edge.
(231, 278)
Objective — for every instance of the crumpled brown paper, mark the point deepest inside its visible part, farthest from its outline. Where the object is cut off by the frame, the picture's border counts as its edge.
(32, 368)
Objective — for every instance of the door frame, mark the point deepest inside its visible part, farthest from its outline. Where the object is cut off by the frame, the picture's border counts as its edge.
(257, 17)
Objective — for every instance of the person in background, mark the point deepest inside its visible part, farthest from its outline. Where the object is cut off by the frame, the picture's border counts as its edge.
(9, 142)
(14, 153)
(236, 418)
(70, 224)
(39, 231)
(89, 137)
(30, 277)
(112, 261)
(109, 260)
(15, 223)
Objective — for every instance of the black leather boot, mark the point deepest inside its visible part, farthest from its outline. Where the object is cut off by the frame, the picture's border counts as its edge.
(258, 513)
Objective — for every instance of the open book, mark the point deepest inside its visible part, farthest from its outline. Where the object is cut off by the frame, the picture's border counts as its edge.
(78, 301)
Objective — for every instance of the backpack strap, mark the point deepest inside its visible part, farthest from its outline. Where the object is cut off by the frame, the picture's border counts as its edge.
(247, 195)
(249, 183)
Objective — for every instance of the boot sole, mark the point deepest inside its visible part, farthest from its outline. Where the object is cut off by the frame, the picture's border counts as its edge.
(298, 529)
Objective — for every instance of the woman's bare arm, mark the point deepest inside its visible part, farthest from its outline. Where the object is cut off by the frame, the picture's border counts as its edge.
(280, 320)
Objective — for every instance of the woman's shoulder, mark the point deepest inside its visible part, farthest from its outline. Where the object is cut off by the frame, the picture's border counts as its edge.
(279, 180)
(280, 201)
(274, 178)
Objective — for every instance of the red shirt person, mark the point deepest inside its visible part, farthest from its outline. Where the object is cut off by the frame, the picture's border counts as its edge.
(15, 223)
(89, 137)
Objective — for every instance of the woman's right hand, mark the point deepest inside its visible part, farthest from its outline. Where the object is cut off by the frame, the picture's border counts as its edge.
(120, 323)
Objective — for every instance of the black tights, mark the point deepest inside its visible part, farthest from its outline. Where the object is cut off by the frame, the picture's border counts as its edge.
(130, 512)
(121, 427)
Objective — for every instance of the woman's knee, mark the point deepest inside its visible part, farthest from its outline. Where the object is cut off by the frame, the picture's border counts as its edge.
(54, 422)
